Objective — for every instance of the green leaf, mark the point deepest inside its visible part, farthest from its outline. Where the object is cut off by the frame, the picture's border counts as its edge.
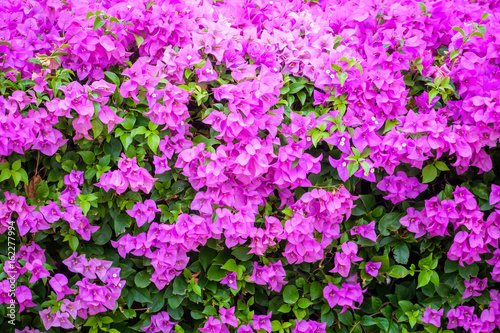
(477, 33)
(390, 124)
(126, 140)
(141, 295)
(122, 222)
(384, 260)
(24, 176)
(68, 165)
(435, 278)
(406, 305)
(422, 6)
(398, 271)
(368, 321)
(358, 66)
(468, 271)
(429, 173)
(154, 142)
(290, 294)
(316, 137)
(139, 40)
(179, 186)
(295, 87)
(142, 279)
(424, 277)
(42, 190)
(230, 265)
(103, 235)
(113, 148)
(389, 222)
(129, 313)
(179, 285)
(342, 78)
(460, 30)
(215, 273)
(275, 325)
(98, 23)
(441, 166)
(85, 207)
(210, 310)
(285, 308)
(206, 256)
(138, 130)
(368, 201)
(376, 302)
(346, 318)
(316, 290)
(73, 243)
(284, 90)
(427, 262)
(87, 156)
(401, 253)
(450, 266)
(16, 165)
(128, 123)
(16, 177)
(454, 54)
(6, 174)
(433, 93)
(241, 253)
(304, 303)
(97, 127)
(352, 167)
(196, 289)
(179, 329)
(302, 97)
(113, 77)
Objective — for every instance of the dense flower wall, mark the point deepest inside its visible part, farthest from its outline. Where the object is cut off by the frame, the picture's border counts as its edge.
(249, 166)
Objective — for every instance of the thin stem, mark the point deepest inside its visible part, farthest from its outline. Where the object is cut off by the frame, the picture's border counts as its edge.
(373, 314)
(37, 160)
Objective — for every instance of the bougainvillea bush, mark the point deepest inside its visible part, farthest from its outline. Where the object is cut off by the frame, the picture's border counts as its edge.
(249, 166)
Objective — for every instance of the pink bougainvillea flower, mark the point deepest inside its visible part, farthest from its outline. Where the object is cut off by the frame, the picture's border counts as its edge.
(366, 230)
(432, 316)
(262, 322)
(59, 283)
(227, 316)
(230, 280)
(495, 194)
(24, 298)
(372, 268)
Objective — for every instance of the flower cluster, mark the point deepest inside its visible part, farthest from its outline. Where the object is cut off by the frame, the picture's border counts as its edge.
(400, 187)
(432, 316)
(129, 174)
(249, 104)
(309, 326)
(344, 296)
(143, 212)
(316, 211)
(27, 218)
(271, 275)
(160, 322)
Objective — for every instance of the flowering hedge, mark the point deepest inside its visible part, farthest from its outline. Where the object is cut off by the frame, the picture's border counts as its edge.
(249, 166)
